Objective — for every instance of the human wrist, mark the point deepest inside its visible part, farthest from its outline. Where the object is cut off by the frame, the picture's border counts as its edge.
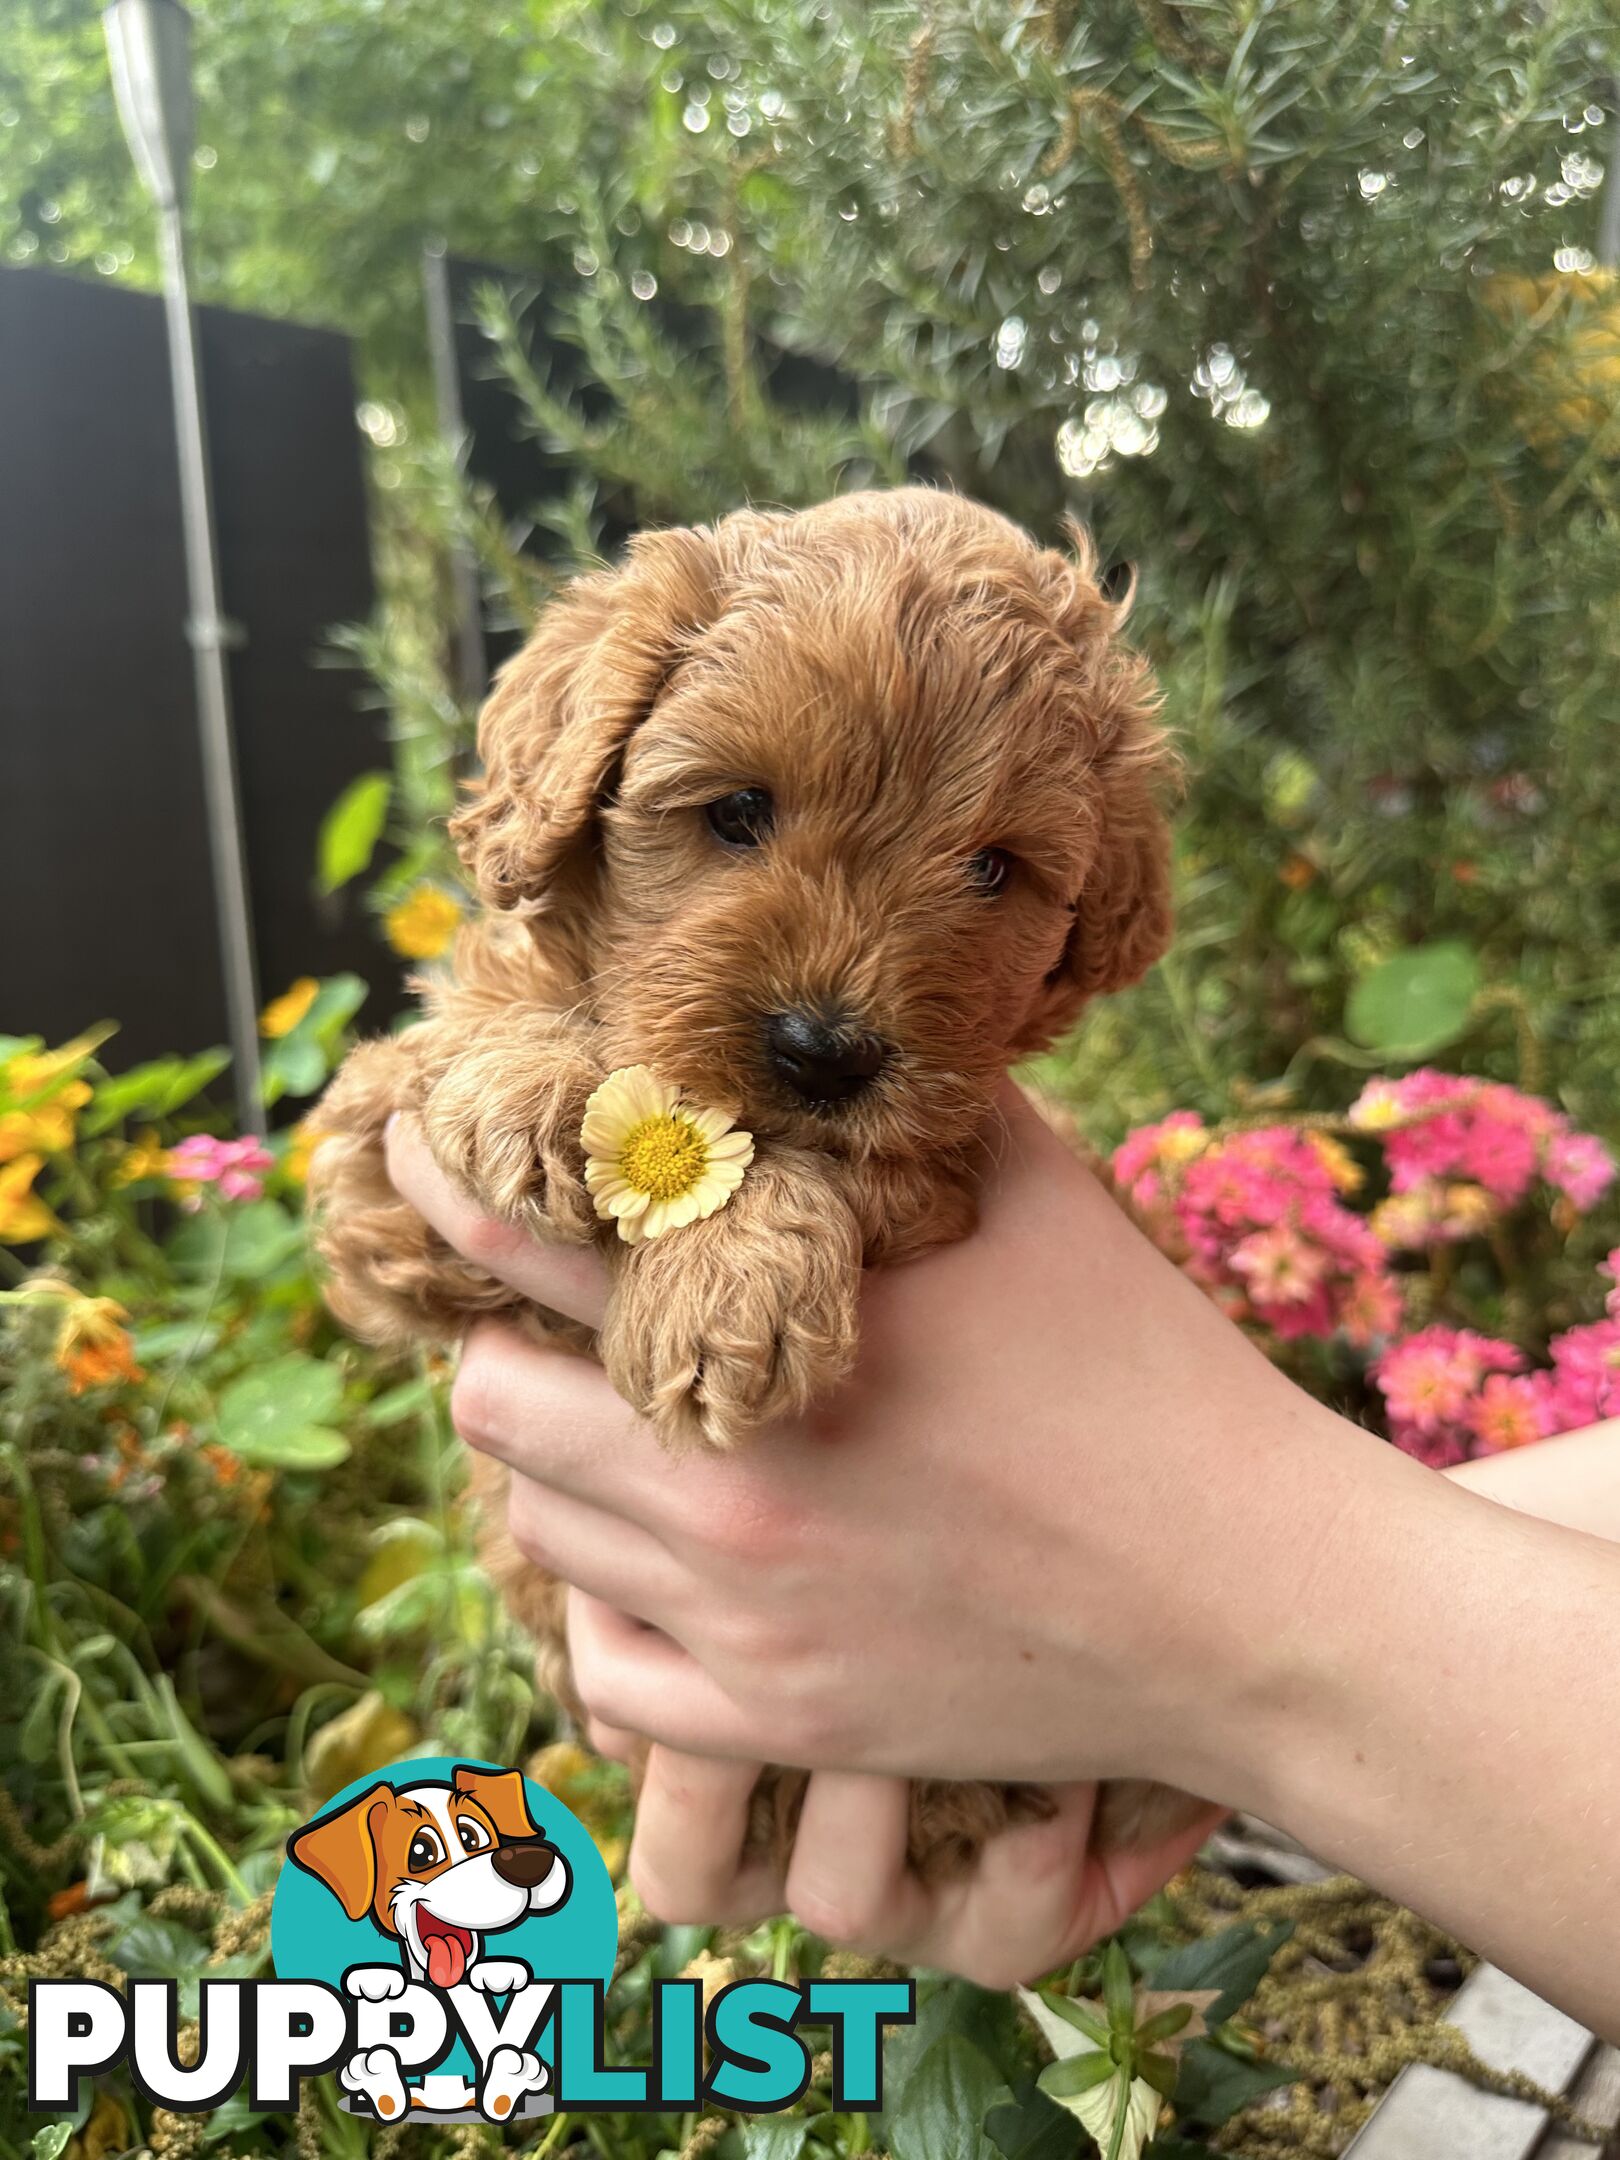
(1295, 1648)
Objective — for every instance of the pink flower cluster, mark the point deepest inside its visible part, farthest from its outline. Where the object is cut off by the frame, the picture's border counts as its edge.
(1452, 1394)
(1447, 1388)
(1436, 1127)
(1259, 1220)
(236, 1167)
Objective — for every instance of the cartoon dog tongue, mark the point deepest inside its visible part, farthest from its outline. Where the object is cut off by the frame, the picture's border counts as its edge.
(446, 1958)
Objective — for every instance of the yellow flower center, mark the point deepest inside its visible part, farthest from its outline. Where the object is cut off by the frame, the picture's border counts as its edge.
(663, 1157)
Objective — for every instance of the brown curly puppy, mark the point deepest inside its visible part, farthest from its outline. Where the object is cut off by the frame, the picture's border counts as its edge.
(827, 818)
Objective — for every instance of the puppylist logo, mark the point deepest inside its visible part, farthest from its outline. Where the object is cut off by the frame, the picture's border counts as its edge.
(443, 1937)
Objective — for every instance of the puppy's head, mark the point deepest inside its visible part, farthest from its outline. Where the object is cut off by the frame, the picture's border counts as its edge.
(832, 816)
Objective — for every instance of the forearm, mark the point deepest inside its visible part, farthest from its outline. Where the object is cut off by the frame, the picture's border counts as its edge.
(1574, 1480)
(1443, 1719)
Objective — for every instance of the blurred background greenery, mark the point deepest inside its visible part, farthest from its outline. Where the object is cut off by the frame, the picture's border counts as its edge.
(1298, 306)
(1301, 307)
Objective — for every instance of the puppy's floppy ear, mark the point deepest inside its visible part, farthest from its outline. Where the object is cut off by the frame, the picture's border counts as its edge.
(1123, 914)
(341, 1849)
(501, 1796)
(555, 728)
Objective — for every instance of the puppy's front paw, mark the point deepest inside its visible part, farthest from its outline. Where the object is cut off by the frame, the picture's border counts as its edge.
(510, 1136)
(498, 1976)
(374, 1983)
(723, 1326)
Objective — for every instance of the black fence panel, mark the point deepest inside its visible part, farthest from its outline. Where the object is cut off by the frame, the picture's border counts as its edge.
(106, 904)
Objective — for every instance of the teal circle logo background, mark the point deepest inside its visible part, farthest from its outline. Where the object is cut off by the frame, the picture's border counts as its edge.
(313, 1938)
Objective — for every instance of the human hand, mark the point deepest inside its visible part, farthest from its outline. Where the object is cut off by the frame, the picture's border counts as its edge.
(1036, 1896)
(1018, 1544)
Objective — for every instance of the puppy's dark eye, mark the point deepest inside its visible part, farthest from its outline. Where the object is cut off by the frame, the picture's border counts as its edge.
(989, 870)
(425, 1852)
(743, 818)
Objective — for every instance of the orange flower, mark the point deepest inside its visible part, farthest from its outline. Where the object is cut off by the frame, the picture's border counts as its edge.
(63, 1904)
(93, 1346)
(103, 1367)
(1297, 872)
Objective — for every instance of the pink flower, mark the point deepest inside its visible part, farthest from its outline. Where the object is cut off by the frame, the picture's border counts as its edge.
(1278, 1266)
(1429, 1382)
(236, 1167)
(1435, 1126)
(1581, 1167)
(1506, 1413)
(1370, 1308)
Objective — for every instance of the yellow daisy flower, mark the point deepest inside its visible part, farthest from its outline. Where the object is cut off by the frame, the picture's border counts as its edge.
(283, 1014)
(421, 926)
(653, 1163)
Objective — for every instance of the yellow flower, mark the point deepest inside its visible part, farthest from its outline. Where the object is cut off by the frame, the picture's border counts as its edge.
(44, 1127)
(300, 1151)
(1337, 1160)
(1469, 1210)
(283, 1014)
(1378, 1108)
(421, 926)
(651, 1162)
(145, 1157)
(23, 1216)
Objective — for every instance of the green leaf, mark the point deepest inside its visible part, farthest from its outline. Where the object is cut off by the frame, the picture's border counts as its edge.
(1076, 2014)
(1119, 1992)
(1029, 2126)
(301, 1061)
(775, 2137)
(351, 829)
(304, 1447)
(151, 1949)
(1234, 1960)
(156, 1090)
(989, 2020)
(396, 1404)
(1214, 2084)
(248, 1243)
(1415, 1002)
(51, 2142)
(264, 1410)
(1076, 2074)
(946, 2100)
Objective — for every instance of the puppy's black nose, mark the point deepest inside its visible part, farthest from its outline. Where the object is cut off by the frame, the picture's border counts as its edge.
(821, 1062)
(524, 1865)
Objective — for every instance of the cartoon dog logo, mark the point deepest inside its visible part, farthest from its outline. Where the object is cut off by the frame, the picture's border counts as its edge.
(438, 1867)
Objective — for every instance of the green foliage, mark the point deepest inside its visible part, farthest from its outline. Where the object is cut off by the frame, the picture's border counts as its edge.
(1414, 1003)
(351, 829)
(1265, 294)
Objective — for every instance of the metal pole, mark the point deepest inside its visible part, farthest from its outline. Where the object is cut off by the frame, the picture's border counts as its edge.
(208, 635)
(1608, 239)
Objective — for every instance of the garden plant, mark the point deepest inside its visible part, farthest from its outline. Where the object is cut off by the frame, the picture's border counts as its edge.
(1298, 307)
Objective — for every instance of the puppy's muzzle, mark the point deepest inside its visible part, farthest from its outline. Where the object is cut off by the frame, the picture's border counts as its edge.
(820, 1060)
(524, 1865)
